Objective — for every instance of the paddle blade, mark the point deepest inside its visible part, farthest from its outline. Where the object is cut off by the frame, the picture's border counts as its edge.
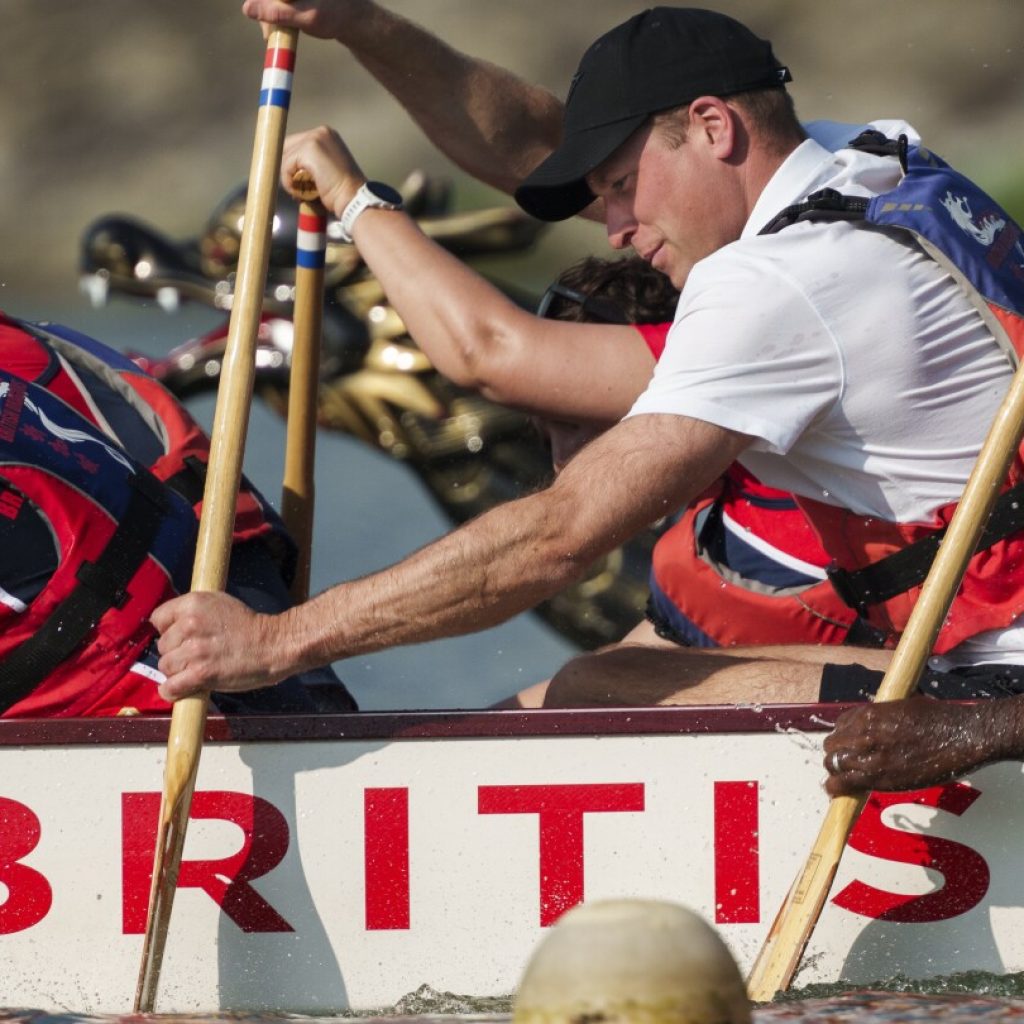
(184, 743)
(780, 955)
(171, 838)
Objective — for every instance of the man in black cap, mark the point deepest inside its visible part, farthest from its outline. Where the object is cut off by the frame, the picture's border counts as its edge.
(678, 123)
(685, 53)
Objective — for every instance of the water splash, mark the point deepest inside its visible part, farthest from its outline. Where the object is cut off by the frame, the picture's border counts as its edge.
(973, 997)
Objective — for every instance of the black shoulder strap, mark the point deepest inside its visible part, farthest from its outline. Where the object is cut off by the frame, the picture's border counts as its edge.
(829, 204)
(190, 480)
(100, 586)
(826, 204)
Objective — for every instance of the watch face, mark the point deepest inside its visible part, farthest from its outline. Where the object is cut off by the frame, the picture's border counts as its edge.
(385, 192)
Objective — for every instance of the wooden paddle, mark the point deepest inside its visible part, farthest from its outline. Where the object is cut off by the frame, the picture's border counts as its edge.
(304, 381)
(213, 549)
(779, 957)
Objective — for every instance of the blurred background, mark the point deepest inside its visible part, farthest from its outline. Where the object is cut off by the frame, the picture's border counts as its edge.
(149, 109)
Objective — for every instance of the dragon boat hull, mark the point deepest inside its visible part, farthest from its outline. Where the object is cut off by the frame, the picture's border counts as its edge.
(341, 862)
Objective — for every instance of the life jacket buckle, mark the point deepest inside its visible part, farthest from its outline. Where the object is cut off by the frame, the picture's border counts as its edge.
(844, 584)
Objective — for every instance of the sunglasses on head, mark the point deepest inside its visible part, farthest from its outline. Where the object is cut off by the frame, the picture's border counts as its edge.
(594, 308)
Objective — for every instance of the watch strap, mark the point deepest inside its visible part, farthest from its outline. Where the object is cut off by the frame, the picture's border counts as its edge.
(372, 195)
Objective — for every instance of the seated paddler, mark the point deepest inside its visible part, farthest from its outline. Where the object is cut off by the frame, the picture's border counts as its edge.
(101, 478)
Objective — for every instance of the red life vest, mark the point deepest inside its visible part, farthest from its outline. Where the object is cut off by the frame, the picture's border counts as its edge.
(124, 545)
(724, 606)
(971, 236)
(105, 396)
(729, 608)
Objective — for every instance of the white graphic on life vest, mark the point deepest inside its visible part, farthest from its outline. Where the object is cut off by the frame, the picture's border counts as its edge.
(68, 434)
(983, 231)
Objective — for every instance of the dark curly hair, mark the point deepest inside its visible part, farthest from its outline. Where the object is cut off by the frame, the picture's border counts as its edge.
(628, 286)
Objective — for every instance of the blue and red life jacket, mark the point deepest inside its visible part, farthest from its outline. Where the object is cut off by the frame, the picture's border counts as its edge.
(113, 467)
(879, 565)
(124, 544)
(136, 411)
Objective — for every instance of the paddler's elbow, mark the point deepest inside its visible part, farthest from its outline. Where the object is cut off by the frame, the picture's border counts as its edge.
(488, 359)
(564, 557)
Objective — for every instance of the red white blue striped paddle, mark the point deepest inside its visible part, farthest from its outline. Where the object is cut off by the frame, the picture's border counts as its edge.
(230, 424)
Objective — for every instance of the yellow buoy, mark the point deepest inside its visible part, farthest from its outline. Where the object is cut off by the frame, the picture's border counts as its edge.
(632, 962)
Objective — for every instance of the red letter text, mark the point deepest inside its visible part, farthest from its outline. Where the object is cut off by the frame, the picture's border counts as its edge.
(964, 869)
(226, 881)
(560, 810)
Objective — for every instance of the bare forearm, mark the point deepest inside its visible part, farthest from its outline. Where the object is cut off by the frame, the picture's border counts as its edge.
(478, 338)
(488, 121)
(495, 567)
(465, 324)
(474, 578)
(485, 572)
(522, 552)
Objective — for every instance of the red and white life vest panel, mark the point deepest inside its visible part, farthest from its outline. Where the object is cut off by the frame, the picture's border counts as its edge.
(774, 592)
(138, 412)
(743, 566)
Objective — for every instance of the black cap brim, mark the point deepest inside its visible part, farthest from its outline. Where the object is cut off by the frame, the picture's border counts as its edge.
(557, 189)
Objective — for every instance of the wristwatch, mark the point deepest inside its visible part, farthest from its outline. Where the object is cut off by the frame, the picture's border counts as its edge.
(373, 194)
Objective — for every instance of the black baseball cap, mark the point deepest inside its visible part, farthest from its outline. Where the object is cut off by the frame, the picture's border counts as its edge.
(658, 59)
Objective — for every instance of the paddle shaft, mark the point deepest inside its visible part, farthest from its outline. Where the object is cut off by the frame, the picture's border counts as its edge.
(213, 548)
(297, 496)
(780, 956)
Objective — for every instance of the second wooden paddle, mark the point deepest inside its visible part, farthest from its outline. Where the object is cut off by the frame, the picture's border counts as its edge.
(297, 497)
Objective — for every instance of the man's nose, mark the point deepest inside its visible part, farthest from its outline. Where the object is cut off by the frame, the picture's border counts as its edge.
(621, 226)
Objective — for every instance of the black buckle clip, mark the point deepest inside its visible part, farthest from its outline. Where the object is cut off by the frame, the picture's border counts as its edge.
(849, 593)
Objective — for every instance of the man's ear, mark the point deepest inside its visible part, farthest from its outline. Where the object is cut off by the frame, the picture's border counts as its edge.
(714, 121)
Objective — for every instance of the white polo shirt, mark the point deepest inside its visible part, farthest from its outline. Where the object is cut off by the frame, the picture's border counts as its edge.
(866, 377)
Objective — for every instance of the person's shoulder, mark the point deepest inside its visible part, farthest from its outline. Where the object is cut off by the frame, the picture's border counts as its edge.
(787, 277)
(759, 261)
(836, 135)
(758, 280)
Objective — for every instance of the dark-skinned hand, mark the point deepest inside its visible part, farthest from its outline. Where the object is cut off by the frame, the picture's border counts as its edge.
(910, 744)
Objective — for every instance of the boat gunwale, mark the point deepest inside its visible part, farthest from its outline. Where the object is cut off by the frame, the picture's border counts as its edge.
(429, 725)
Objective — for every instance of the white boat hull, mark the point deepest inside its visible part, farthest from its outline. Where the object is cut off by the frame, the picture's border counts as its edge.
(342, 863)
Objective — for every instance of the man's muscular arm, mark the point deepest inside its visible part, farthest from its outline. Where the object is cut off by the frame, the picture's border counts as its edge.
(478, 576)
(491, 123)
